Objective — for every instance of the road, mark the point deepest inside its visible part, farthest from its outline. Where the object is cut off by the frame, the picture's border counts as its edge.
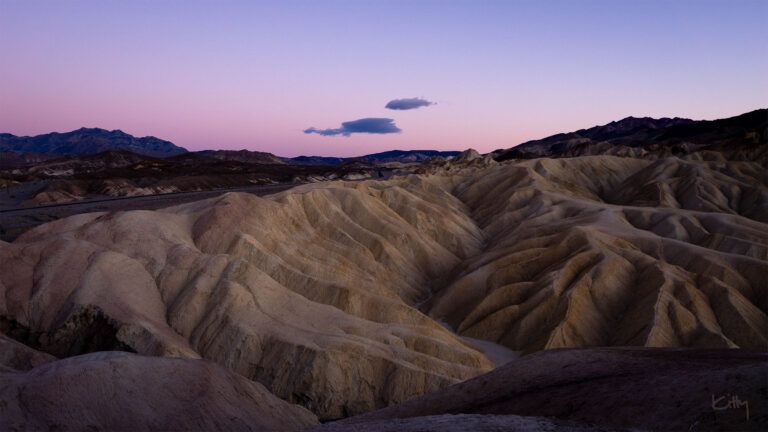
(15, 221)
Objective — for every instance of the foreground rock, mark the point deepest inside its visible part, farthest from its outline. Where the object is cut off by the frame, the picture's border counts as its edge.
(645, 389)
(120, 391)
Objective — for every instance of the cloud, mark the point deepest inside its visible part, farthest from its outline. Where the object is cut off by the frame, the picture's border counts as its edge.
(365, 125)
(408, 103)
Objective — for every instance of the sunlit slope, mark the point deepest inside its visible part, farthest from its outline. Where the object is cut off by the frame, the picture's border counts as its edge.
(310, 292)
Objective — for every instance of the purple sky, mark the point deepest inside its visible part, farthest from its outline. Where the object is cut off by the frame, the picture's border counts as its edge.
(256, 74)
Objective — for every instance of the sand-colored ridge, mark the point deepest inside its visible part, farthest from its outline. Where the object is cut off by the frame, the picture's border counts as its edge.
(309, 292)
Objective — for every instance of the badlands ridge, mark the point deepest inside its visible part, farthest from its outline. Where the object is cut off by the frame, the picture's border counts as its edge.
(346, 297)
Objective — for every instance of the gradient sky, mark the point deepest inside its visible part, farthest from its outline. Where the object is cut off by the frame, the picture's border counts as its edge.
(256, 74)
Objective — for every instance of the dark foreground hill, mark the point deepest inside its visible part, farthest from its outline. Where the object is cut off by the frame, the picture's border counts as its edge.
(118, 391)
(593, 389)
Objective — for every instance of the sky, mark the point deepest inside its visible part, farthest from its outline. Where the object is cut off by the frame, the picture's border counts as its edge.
(314, 77)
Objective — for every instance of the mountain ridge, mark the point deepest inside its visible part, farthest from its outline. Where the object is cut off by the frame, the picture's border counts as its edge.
(646, 136)
(86, 141)
(90, 141)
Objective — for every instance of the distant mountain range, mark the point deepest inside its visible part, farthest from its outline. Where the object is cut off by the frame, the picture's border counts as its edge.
(404, 156)
(85, 141)
(21, 150)
(634, 136)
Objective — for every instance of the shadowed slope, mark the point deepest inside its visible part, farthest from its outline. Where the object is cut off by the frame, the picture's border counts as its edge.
(121, 391)
(642, 389)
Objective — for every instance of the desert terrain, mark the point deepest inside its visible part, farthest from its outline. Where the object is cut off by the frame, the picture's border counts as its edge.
(553, 286)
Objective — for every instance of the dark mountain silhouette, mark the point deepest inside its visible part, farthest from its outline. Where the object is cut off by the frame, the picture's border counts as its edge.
(634, 136)
(404, 156)
(314, 160)
(407, 155)
(85, 141)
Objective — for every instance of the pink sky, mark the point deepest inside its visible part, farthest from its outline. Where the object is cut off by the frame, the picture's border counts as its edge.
(242, 75)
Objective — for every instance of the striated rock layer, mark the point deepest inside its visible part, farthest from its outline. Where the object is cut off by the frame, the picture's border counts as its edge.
(318, 292)
(608, 251)
(308, 292)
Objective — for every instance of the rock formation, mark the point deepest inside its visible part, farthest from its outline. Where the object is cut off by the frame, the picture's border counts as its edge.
(310, 292)
(334, 295)
(602, 251)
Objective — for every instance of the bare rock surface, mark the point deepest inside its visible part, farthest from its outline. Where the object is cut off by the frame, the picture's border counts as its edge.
(604, 251)
(126, 392)
(330, 293)
(637, 388)
(308, 292)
